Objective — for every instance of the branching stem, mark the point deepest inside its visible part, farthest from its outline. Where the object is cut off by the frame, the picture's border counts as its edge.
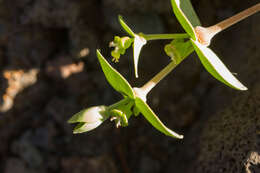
(204, 35)
(235, 19)
(164, 36)
(157, 78)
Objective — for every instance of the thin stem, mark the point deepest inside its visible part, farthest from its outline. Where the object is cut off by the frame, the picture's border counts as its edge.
(157, 78)
(164, 36)
(121, 102)
(234, 19)
(204, 35)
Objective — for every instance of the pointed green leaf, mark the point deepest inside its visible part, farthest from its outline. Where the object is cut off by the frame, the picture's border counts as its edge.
(186, 16)
(85, 127)
(216, 67)
(124, 25)
(115, 79)
(188, 10)
(153, 119)
(139, 42)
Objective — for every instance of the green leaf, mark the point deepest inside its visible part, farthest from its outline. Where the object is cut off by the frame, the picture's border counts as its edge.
(216, 67)
(85, 127)
(178, 50)
(125, 27)
(153, 119)
(186, 16)
(190, 13)
(115, 79)
(139, 42)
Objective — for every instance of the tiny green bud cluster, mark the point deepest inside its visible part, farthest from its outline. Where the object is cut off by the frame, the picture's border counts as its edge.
(178, 49)
(120, 45)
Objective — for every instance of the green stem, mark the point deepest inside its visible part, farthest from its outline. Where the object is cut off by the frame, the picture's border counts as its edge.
(146, 88)
(164, 36)
(121, 102)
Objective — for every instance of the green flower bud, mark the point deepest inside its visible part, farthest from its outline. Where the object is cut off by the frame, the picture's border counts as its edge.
(178, 49)
(89, 119)
(120, 44)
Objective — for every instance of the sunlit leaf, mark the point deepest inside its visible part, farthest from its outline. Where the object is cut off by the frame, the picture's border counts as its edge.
(115, 79)
(139, 42)
(216, 67)
(85, 127)
(153, 119)
(188, 10)
(186, 16)
(125, 26)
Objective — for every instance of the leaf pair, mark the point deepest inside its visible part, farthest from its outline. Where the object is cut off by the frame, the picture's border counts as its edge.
(118, 82)
(188, 19)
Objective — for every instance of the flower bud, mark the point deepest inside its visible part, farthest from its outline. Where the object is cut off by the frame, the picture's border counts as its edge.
(88, 119)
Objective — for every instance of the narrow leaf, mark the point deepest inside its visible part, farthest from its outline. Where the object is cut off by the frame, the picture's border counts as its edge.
(188, 10)
(153, 119)
(115, 79)
(139, 42)
(85, 127)
(186, 15)
(216, 67)
(125, 26)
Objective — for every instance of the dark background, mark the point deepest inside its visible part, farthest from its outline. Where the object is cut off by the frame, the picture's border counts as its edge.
(49, 71)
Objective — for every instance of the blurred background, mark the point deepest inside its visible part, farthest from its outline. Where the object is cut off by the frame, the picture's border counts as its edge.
(49, 71)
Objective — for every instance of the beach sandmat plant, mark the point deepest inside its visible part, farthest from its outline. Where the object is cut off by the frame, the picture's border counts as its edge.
(133, 102)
